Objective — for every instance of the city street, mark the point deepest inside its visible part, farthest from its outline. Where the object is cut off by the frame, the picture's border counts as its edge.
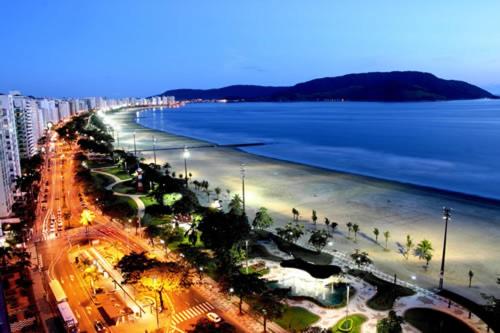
(54, 247)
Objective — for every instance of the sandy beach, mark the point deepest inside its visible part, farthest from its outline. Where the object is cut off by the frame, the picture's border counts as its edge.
(474, 231)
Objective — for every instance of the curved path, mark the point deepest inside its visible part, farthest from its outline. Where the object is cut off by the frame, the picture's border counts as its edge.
(364, 291)
(136, 197)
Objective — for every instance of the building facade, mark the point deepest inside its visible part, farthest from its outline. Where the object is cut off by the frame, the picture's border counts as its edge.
(10, 167)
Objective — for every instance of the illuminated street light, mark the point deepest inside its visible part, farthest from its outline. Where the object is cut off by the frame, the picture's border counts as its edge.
(446, 218)
(186, 155)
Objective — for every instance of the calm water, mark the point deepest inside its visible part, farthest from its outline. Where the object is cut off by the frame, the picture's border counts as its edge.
(447, 145)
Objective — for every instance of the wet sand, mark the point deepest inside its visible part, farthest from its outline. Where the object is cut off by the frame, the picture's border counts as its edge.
(474, 231)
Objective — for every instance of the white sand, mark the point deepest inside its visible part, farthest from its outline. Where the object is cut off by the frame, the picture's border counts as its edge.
(474, 232)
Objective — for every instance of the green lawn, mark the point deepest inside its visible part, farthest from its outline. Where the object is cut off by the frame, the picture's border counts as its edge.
(148, 200)
(101, 181)
(118, 172)
(297, 319)
(125, 187)
(159, 220)
(357, 321)
(386, 294)
(121, 207)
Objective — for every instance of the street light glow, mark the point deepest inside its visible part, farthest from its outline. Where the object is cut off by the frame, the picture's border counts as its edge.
(186, 153)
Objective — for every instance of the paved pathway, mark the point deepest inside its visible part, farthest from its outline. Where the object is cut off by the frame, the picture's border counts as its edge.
(423, 298)
(136, 197)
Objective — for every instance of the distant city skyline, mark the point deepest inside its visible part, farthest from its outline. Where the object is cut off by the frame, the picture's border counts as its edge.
(126, 48)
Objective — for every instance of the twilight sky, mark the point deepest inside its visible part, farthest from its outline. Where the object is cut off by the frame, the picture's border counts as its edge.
(134, 48)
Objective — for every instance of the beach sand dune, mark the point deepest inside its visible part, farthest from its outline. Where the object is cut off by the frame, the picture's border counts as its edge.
(474, 231)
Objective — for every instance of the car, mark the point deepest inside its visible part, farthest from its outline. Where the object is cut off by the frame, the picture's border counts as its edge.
(99, 327)
(212, 316)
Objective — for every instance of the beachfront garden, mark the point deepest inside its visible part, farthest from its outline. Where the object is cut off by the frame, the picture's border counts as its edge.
(221, 242)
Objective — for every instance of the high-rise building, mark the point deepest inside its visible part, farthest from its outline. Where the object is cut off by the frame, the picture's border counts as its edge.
(25, 108)
(10, 167)
(64, 109)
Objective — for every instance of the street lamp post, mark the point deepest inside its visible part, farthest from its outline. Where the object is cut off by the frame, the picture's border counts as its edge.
(446, 218)
(242, 170)
(186, 155)
(154, 149)
(135, 147)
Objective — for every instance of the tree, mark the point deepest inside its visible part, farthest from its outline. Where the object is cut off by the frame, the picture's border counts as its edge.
(471, 275)
(151, 232)
(387, 234)
(269, 306)
(390, 324)
(327, 223)
(424, 251)
(290, 232)
(295, 214)
(236, 205)
(376, 232)
(361, 258)
(355, 229)
(314, 217)
(334, 226)
(349, 229)
(86, 218)
(319, 239)
(217, 191)
(408, 247)
(262, 219)
(206, 326)
(166, 277)
(244, 285)
(133, 265)
(5, 254)
(220, 232)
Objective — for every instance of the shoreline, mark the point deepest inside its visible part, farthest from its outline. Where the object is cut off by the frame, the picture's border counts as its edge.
(468, 197)
(399, 208)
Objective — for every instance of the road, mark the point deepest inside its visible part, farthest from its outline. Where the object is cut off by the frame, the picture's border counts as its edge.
(54, 247)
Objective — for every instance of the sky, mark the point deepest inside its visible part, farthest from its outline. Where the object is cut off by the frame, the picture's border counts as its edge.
(117, 48)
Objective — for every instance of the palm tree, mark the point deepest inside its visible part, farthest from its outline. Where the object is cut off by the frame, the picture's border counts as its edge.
(217, 191)
(408, 246)
(387, 234)
(471, 275)
(295, 214)
(314, 217)
(349, 228)
(334, 226)
(86, 218)
(355, 229)
(424, 251)
(376, 232)
(327, 223)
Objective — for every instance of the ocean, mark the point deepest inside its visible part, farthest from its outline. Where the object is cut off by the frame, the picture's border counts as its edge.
(451, 146)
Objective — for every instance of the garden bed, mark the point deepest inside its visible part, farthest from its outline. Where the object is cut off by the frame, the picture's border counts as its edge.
(316, 271)
(387, 292)
(433, 321)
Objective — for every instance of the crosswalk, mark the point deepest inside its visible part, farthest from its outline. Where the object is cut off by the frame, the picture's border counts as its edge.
(192, 312)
